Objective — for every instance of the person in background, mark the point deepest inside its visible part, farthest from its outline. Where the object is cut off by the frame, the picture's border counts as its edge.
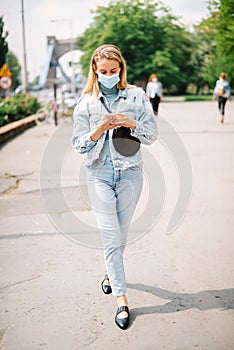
(114, 181)
(222, 91)
(154, 91)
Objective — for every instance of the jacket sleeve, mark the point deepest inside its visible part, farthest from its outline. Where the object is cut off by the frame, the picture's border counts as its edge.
(81, 127)
(146, 126)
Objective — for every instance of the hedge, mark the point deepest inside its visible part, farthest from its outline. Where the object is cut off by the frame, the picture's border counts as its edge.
(17, 107)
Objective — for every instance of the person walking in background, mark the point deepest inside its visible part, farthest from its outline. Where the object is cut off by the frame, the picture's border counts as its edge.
(114, 180)
(154, 91)
(222, 91)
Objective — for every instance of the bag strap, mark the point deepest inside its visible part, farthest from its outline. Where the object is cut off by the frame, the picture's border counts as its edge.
(104, 104)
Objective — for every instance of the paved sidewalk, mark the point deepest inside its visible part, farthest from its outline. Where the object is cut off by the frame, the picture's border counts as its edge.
(180, 286)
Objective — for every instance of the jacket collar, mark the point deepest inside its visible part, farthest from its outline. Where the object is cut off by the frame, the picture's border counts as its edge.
(121, 93)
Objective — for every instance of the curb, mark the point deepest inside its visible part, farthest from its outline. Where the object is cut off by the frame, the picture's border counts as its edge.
(10, 130)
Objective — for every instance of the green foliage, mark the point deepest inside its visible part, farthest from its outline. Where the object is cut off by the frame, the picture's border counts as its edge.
(197, 98)
(15, 69)
(162, 62)
(149, 39)
(203, 49)
(17, 107)
(221, 32)
(225, 37)
(173, 62)
(3, 43)
(153, 41)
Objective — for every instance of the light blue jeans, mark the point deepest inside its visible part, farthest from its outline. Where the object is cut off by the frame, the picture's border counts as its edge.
(114, 195)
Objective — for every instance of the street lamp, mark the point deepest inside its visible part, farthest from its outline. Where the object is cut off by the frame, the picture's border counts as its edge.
(69, 20)
(24, 77)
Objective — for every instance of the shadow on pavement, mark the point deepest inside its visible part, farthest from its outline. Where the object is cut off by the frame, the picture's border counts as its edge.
(204, 300)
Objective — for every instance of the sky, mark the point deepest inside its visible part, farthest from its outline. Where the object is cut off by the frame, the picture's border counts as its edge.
(63, 17)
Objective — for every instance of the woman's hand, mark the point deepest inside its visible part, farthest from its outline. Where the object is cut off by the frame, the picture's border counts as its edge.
(105, 124)
(112, 121)
(123, 120)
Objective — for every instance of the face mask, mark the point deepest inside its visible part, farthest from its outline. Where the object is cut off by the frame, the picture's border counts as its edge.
(108, 81)
(154, 79)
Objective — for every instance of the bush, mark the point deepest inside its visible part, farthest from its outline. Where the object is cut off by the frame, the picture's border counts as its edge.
(17, 107)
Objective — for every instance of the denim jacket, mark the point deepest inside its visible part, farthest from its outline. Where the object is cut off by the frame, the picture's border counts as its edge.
(88, 114)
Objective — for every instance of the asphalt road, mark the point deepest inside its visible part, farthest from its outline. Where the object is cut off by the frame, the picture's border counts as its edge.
(180, 283)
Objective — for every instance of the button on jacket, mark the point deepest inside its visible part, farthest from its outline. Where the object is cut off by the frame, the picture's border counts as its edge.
(88, 114)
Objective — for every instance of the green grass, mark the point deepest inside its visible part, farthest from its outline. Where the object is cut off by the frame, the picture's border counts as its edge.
(197, 97)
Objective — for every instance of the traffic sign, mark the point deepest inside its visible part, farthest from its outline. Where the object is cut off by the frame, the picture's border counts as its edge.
(5, 82)
(5, 71)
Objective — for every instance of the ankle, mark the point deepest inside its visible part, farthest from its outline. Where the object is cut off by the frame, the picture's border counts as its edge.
(122, 300)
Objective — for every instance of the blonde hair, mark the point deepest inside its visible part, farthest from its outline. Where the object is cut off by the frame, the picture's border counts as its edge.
(110, 52)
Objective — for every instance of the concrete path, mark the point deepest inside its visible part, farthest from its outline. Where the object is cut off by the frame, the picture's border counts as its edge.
(180, 285)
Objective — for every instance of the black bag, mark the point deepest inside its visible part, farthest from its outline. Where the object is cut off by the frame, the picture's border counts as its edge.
(123, 142)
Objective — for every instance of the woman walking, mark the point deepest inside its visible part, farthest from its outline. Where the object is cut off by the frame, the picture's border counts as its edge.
(223, 92)
(154, 91)
(114, 170)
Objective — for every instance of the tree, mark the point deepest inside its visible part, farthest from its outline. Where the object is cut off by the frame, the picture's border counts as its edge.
(203, 51)
(15, 69)
(149, 39)
(3, 43)
(222, 34)
(225, 37)
(173, 61)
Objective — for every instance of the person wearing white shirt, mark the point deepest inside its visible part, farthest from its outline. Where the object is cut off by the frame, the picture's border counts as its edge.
(154, 91)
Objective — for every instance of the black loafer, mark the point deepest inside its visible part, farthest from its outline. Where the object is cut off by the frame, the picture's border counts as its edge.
(122, 323)
(106, 289)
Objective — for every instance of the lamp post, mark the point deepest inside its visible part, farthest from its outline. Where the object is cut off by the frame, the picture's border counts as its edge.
(69, 20)
(73, 87)
(24, 77)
